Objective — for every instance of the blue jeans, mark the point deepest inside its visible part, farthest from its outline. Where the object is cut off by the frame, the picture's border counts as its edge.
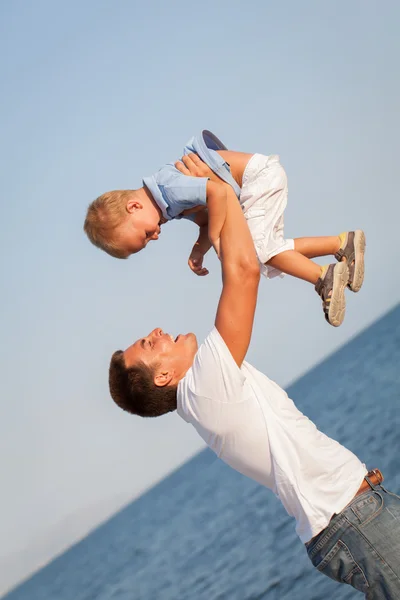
(361, 545)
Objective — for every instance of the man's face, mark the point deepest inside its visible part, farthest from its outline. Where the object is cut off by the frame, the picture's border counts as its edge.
(140, 227)
(174, 357)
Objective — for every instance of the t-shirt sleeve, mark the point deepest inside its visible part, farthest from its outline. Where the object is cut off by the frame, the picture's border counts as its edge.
(182, 192)
(214, 373)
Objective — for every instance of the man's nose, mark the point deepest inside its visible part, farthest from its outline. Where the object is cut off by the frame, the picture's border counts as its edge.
(157, 332)
(154, 236)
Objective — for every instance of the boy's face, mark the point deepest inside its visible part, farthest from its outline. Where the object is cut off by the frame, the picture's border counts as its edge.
(140, 227)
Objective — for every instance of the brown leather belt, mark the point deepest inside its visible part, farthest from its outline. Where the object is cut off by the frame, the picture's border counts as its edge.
(375, 477)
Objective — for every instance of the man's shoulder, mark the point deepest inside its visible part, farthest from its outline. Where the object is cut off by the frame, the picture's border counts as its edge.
(213, 382)
(213, 346)
(214, 372)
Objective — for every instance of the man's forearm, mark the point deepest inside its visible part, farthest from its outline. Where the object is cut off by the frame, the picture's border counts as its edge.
(237, 246)
(240, 269)
(240, 279)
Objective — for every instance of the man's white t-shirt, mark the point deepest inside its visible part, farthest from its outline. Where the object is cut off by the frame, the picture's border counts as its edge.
(253, 426)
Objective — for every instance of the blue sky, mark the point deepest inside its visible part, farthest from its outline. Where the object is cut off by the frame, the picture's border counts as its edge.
(97, 95)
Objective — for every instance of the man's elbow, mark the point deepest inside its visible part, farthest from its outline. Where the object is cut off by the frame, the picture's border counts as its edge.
(252, 271)
(246, 271)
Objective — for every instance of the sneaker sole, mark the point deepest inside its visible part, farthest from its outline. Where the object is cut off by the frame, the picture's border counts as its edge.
(359, 251)
(337, 307)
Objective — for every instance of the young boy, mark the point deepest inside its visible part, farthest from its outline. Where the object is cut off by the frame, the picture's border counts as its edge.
(122, 222)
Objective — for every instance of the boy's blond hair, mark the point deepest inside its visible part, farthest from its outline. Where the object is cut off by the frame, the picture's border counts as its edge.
(104, 215)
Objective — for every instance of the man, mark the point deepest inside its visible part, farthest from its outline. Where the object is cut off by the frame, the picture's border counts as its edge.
(349, 523)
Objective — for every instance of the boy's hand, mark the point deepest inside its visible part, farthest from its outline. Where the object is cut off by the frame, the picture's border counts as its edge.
(195, 261)
(192, 165)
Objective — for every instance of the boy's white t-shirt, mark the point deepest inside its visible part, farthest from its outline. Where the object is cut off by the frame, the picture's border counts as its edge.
(253, 426)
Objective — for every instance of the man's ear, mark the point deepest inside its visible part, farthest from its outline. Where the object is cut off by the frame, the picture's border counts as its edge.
(163, 378)
(132, 205)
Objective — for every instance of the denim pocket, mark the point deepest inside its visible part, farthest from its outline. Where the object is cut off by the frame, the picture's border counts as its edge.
(367, 507)
(339, 564)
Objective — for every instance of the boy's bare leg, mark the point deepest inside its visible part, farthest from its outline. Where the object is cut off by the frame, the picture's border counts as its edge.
(296, 264)
(311, 247)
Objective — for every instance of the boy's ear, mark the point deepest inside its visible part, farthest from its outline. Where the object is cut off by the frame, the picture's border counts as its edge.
(132, 205)
(163, 378)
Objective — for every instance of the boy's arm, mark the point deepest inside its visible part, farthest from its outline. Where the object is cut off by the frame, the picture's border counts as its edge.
(193, 166)
(210, 223)
(199, 250)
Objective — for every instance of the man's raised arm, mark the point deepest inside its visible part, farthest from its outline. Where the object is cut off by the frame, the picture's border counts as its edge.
(240, 279)
(240, 268)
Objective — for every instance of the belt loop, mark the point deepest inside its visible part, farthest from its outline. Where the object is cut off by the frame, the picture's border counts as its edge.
(378, 475)
(371, 485)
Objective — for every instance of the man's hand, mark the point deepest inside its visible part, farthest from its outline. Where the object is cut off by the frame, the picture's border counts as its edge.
(195, 261)
(192, 165)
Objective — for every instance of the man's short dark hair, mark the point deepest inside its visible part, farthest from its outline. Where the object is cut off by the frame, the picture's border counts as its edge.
(133, 388)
